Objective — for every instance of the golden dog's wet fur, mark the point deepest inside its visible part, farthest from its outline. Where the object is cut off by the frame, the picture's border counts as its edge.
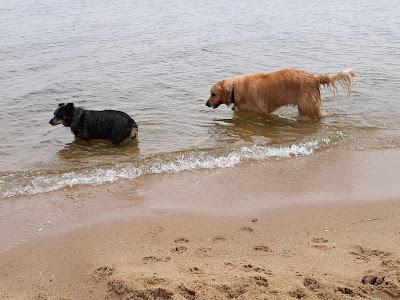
(266, 92)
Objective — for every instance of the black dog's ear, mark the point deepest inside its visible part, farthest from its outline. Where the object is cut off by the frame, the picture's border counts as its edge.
(60, 104)
(70, 108)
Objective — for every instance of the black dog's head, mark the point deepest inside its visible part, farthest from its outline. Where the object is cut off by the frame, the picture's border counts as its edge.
(63, 114)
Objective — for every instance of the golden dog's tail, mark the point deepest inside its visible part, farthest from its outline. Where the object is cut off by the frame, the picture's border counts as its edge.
(344, 78)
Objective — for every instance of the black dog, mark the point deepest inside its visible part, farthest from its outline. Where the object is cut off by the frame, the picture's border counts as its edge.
(112, 125)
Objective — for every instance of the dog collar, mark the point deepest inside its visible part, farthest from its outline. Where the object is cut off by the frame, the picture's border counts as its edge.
(233, 94)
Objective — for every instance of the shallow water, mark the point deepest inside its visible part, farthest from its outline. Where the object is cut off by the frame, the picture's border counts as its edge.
(158, 60)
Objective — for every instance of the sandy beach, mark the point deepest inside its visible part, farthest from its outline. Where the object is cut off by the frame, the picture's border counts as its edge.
(325, 227)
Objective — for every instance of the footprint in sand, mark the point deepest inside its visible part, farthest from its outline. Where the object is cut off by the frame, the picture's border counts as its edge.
(346, 291)
(154, 280)
(322, 247)
(71, 197)
(196, 271)
(233, 291)
(155, 231)
(124, 290)
(179, 249)
(156, 259)
(102, 272)
(384, 283)
(297, 293)
(311, 283)
(260, 281)
(219, 238)
(203, 251)
(181, 240)
(249, 267)
(319, 243)
(186, 292)
(262, 248)
(247, 229)
(319, 240)
(41, 296)
(365, 254)
(373, 279)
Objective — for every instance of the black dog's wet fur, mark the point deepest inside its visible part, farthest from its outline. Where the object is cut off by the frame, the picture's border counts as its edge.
(112, 125)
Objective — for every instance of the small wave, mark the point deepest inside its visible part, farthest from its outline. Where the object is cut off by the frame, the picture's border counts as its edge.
(195, 160)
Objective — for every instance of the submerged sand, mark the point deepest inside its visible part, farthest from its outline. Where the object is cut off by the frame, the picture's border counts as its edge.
(325, 227)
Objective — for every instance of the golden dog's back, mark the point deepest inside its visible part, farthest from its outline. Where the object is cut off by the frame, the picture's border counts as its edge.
(266, 92)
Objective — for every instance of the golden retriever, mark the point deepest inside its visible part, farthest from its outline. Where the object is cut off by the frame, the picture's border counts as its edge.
(266, 92)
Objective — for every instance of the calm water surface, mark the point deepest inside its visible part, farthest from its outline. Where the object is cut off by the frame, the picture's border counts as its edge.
(157, 60)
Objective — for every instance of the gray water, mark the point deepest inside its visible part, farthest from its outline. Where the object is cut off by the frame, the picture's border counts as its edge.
(157, 60)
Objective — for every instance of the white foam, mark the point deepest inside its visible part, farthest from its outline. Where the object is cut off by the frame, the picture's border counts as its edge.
(183, 162)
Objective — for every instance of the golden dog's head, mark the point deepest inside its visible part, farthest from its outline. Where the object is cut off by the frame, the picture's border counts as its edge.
(221, 93)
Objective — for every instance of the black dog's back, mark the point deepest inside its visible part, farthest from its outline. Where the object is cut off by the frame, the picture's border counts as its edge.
(113, 125)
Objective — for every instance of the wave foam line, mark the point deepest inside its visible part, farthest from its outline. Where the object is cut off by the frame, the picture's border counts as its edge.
(184, 162)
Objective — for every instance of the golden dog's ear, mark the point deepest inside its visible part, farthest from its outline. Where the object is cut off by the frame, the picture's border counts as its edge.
(226, 91)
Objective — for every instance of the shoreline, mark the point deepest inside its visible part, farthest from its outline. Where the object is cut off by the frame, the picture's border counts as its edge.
(334, 175)
(311, 227)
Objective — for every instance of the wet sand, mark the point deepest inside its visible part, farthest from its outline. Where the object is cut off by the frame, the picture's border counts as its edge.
(321, 227)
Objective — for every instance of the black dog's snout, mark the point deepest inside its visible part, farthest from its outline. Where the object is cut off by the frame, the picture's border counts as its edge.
(53, 122)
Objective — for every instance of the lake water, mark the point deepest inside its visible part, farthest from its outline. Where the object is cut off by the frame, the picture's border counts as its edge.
(157, 60)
